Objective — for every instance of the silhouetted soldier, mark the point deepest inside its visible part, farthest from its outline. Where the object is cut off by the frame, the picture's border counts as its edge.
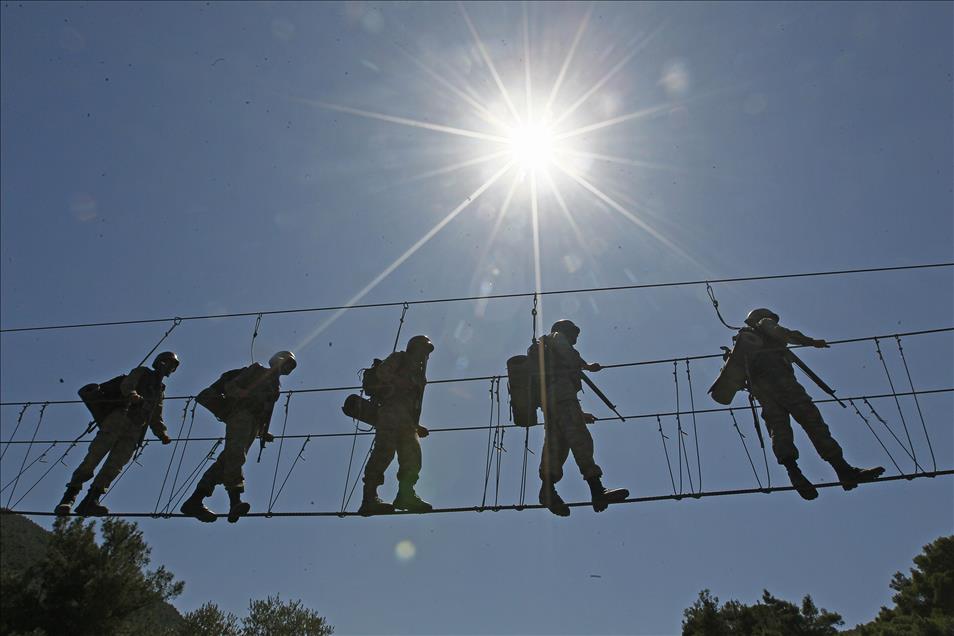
(564, 420)
(772, 381)
(403, 378)
(120, 434)
(250, 395)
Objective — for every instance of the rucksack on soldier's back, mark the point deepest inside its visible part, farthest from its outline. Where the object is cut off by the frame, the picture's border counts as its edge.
(103, 399)
(523, 384)
(213, 397)
(366, 409)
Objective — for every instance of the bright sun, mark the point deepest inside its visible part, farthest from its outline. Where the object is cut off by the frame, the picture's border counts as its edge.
(532, 146)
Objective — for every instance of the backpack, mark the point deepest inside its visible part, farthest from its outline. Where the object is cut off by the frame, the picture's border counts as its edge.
(103, 399)
(734, 373)
(523, 385)
(371, 384)
(213, 397)
(365, 409)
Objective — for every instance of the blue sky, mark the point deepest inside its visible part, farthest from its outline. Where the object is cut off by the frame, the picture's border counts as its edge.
(177, 159)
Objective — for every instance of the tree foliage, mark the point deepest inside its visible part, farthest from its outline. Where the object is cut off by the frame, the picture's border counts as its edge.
(85, 587)
(769, 617)
(269, 617)
(924, 600)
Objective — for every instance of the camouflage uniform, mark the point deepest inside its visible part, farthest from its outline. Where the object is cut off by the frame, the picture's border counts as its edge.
(123, 430)
(396, 428)
(773, 383)
(247, 420)
(565, 429)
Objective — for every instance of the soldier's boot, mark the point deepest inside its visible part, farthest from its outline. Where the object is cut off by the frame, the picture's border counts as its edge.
(850, 476)
(408, 500)
(237, 507)
(804, 487)
(194, 507)
(66, 503)
(550, 498)
(90, 506)
(371, 504)
(602, 496)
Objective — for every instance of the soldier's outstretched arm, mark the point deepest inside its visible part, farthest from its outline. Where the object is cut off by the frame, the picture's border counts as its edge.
(791, 336)
(565, 351)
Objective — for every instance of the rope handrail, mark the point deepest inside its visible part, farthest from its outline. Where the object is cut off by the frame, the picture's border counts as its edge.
(639, 416)
(582, 290)
(490, 377)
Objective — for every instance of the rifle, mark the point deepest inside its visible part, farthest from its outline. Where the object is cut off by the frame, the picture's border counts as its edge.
(814, 378)
(601, 395)
(755, 421)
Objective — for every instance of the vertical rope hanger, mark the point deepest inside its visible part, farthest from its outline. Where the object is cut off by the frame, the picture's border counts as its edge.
(172, 458)
(26, 455)
(543, 401)
(894, 393)
(745, 447)
(278, 458)
(167, 509)
(15, 429)
(663, 437)
(488, 462)
(917, 402)
(870, 428)
(695, 430)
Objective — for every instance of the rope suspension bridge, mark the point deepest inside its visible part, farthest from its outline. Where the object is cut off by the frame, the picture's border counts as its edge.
(686, 481)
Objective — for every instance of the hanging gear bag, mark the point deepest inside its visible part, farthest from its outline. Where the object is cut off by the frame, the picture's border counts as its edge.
(365, 409)
(734, 373)
(103, 399)
(213, 398)
(523, 384)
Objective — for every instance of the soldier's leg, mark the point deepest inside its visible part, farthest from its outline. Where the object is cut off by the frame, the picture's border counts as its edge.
(409, 457)
(555, 451)
(382, 454)
(120, 431)
(239, 436)
(810, 418)
(385, 446)
(123, 450)
(98, 449)
(578, 439)
(552, 458)
(409, 468)
(779, 427)
(803, 409)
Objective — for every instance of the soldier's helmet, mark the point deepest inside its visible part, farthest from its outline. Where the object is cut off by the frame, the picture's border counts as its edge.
(284, 361)
(420, 342)
(758, 314)
(166, 360)
(566, 327)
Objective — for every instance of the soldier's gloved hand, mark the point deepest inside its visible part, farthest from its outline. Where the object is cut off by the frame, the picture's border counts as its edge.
(589, 418)
(268, 437)
(165, 439)
(593, 366)
(820, 344)
(422, 432)
(134, 398)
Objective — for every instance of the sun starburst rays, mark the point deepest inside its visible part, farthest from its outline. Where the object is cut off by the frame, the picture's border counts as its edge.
(529, 141)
